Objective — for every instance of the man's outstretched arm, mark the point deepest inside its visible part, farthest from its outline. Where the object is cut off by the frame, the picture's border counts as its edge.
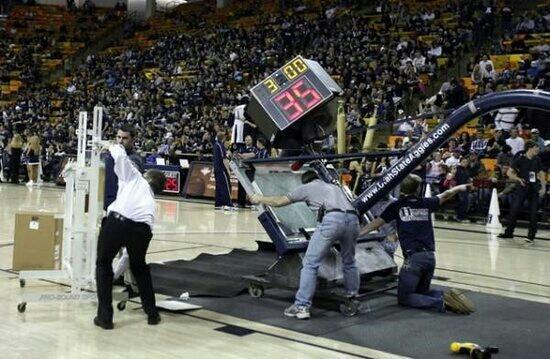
(371, 226)
(450, 193)
(273, 201)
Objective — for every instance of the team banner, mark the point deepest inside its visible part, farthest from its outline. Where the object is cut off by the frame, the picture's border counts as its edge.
(426, 146)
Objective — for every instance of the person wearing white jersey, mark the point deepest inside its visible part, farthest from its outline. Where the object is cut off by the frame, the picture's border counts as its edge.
(237, 132)
(505, 118)
(128, 224)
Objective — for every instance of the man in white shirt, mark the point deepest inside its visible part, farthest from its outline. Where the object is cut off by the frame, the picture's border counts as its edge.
(452, 161)
(128, 224)
(483, 65)
(516, 143)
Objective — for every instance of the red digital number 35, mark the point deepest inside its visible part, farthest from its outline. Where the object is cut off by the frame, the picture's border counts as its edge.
(292, 108)
(308, 95)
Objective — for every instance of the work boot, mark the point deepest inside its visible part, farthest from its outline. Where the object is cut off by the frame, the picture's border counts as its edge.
(297, 311)
(506, 235)
(153, 319)
(457, 302)
(105, 325)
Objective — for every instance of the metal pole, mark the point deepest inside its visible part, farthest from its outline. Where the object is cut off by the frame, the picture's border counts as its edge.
(369, 136)
(341, 128)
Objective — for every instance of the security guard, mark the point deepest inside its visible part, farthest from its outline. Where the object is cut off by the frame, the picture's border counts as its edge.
(416, 236)
(221, 174)
(527, 170)
(339, 224)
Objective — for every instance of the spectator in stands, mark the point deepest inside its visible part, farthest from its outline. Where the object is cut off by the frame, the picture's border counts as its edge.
(489, 75)
(506, 20)
(397, 144)
(535, 137)
(495, 144)
(435, 171)
(515, 142)
(404, 128)
(461, 175)
(479, 145)
(262, 151)
(15, 149)
(419, 62)
(457, 95)
(504, 158)
(506, 118)
(464, 143)
(526, 25)
(118, 80)
(32, 152)
(476, 76)
(485, 70)
(475, 167)
(454, 160)
(435, 103)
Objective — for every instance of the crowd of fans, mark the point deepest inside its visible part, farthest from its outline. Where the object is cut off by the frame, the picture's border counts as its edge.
(27, 39)
(198, 79)
(181, 91)
(483, 154)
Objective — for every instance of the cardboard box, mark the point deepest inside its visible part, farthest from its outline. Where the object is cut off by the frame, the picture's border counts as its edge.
(37, 240)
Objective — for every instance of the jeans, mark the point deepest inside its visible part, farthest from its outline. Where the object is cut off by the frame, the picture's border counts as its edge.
(413, 289)
(336, 227)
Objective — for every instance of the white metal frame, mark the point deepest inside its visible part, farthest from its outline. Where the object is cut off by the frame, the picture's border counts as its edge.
(80, 228)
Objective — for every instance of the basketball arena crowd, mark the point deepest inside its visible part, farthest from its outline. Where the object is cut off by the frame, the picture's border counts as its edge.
(178, 77)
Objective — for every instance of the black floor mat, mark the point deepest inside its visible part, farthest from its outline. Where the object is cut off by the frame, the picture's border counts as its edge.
(519, 328)
(210, 275)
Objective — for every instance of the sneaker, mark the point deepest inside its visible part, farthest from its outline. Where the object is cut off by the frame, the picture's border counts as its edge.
(230, 208)
(29, 184)
(456, 302)
(505, 235)
(105, 325)
(153, 319)
(297, 311)
(529, 241)
(218, 208)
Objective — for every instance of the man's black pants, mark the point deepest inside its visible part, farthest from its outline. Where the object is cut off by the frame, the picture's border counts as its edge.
(135, 236)
(522, 193)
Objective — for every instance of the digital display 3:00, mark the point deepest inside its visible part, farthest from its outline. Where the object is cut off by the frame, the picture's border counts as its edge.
(290, 71)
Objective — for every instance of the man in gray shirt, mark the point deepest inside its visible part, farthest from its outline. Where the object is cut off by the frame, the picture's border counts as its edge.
(340, 224)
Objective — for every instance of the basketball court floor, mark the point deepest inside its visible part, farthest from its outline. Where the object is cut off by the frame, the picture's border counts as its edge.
(467, 258)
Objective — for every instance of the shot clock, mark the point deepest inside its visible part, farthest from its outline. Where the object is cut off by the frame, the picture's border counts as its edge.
(296, 104)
